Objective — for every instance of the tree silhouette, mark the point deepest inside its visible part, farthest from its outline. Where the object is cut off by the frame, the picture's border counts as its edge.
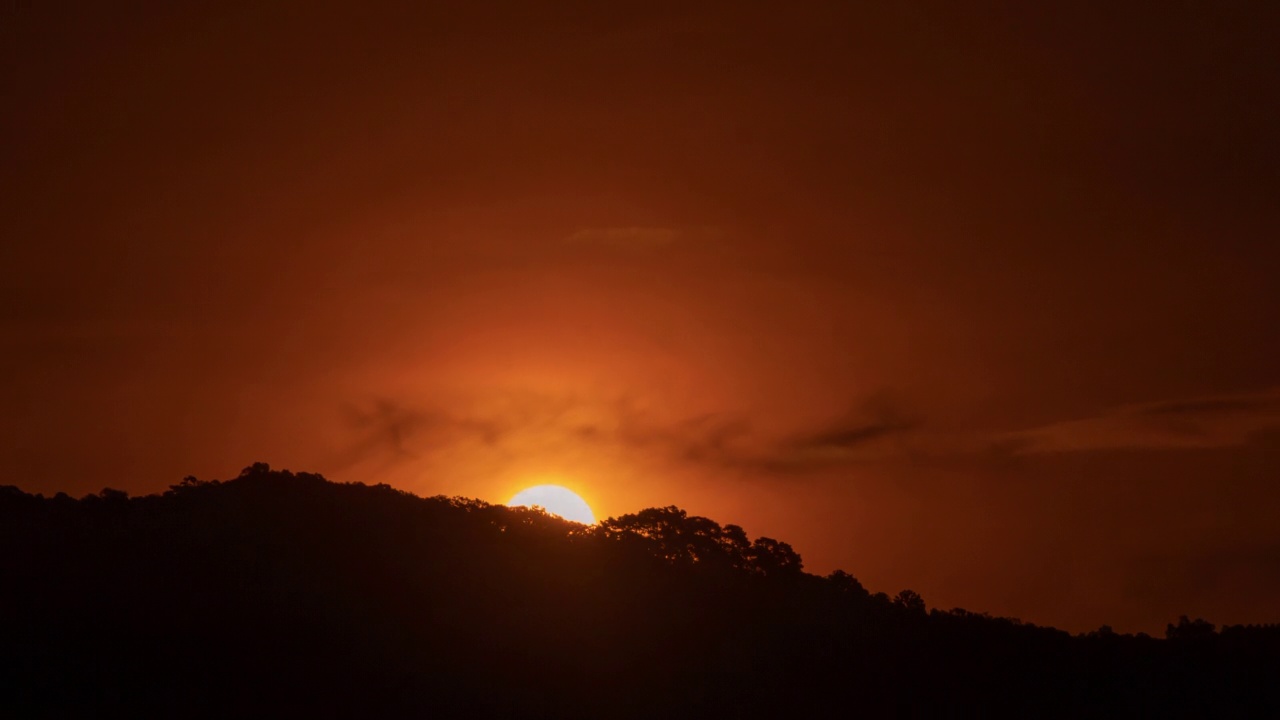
(1187, 629)
(286, 594)
(774, 558)
(847, 584)
(672, 534)
(910, 600)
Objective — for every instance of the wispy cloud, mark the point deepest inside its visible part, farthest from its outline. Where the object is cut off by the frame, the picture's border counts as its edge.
(872, 423)
(385, 433)
(1199, 422)
(731, 441)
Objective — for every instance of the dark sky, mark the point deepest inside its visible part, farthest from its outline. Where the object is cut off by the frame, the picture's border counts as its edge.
(979, 299)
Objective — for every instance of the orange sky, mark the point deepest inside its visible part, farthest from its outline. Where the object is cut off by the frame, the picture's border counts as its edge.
(979, 301)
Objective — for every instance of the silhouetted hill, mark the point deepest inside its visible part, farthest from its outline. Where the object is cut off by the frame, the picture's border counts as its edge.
(283, 595)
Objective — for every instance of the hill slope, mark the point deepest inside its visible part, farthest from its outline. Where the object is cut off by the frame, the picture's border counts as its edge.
(289, 595)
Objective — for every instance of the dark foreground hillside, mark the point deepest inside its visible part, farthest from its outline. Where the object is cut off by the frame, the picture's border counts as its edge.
(285, 595)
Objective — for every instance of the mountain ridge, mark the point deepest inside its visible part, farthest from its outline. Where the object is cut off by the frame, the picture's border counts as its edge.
(285, 593)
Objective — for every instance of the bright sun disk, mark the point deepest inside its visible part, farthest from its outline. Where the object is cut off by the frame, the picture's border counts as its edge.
(556, 500)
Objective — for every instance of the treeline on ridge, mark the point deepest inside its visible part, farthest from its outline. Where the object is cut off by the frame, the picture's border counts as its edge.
(286, 594)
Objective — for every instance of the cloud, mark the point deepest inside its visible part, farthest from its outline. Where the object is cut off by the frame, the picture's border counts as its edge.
(730, 441)
(386, 433)
(389, 432)
(863, 433)
(383, 433)
(1202, 422)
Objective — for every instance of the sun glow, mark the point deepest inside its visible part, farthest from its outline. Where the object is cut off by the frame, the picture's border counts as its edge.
(556, 500)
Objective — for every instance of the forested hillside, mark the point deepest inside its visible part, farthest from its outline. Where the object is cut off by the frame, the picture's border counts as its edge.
(287, 595)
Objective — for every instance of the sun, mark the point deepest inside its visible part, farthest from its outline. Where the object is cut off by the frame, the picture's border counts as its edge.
(556, 500)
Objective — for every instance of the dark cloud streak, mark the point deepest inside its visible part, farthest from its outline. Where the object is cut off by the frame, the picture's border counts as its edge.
(1205, 422)
(396, 432)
